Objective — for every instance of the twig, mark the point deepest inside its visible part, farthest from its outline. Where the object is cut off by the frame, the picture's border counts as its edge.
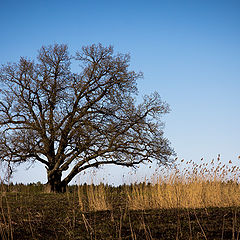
(200, 225)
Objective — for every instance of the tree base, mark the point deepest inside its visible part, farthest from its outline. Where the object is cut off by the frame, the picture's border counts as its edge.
(51, 188)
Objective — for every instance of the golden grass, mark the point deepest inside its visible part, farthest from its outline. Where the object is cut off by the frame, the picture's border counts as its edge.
(186, 186)
(95, 198)
(196, 186)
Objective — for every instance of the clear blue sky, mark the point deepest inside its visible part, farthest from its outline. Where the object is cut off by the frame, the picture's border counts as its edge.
(189, 51)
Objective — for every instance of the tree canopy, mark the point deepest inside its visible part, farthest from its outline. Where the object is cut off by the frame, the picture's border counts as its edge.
(78, 120)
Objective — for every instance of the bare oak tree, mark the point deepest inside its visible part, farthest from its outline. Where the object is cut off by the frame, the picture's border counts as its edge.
(75, 121)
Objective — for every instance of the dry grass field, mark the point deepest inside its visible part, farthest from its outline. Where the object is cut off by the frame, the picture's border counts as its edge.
(190, 201)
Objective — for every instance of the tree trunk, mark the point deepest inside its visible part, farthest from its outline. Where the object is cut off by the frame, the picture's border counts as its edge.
(55, 184)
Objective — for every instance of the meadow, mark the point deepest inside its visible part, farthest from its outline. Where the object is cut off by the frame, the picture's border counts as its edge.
(188, 201)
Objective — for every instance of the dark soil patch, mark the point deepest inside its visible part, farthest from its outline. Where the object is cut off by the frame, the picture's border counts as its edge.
(57, 216)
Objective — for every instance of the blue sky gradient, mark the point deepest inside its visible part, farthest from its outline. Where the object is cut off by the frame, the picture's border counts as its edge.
(189, 51)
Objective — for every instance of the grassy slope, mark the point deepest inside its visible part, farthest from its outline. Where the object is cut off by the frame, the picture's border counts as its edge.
(202, 201)
(58, 216)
